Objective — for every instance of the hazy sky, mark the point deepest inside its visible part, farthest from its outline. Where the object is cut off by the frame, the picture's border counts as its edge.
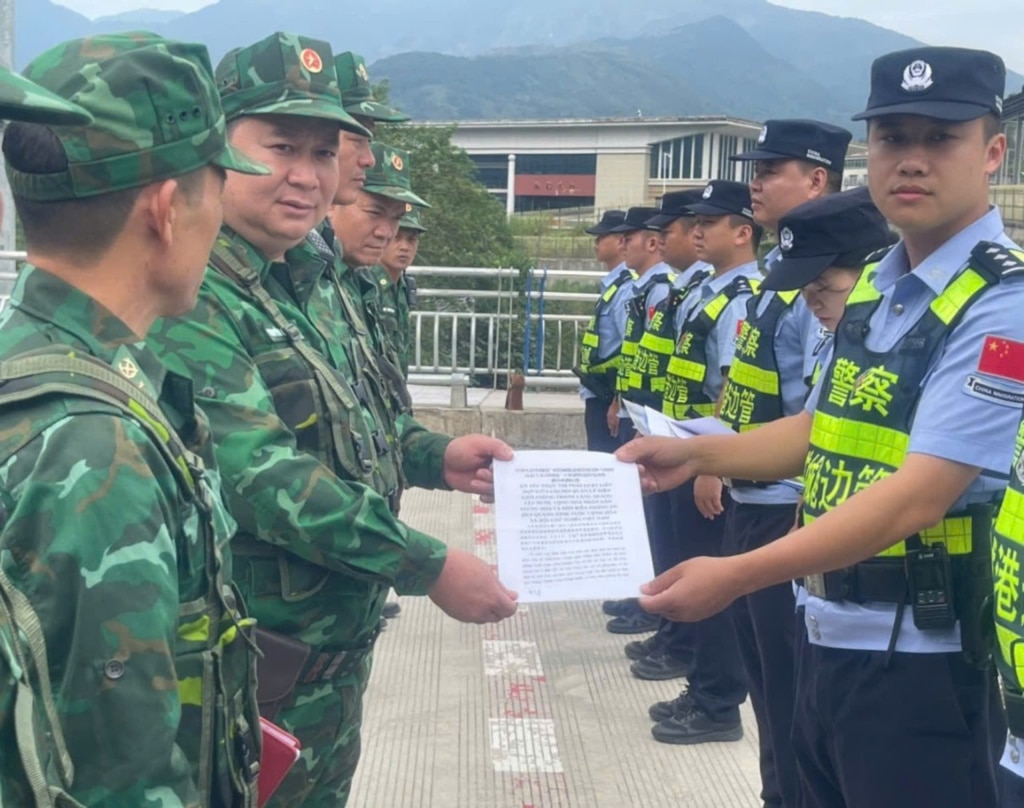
(991, 24)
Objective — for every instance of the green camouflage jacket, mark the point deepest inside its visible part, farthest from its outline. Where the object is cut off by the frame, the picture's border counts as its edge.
(395, 315)
(313, 463)
(120, 560)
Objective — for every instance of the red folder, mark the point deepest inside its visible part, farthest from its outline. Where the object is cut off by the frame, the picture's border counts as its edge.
(280, 752)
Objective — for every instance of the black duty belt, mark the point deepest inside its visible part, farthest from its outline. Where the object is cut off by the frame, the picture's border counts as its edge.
(880, 580)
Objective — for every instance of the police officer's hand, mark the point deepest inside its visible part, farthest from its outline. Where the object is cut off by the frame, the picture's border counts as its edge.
(707, 493)
(664, 462)
(467, 464)
(693, 590)
(612, 418)
(469, 591)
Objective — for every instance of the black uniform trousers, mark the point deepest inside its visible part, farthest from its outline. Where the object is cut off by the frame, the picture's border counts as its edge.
(923, 730)
(765, 624)
(675, 639)
(717, 685)
(1012, 786)
(595, 420)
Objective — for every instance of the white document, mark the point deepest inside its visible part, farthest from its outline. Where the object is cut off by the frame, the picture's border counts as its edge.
(638, 415)
(570, 526)
(658, 424)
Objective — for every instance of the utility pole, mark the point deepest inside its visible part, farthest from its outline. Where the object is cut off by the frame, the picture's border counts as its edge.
(7, 229)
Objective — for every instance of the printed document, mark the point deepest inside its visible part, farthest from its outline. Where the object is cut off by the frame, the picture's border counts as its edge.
(570, 526)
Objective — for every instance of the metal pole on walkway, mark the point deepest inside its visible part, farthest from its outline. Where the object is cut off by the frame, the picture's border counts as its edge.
(7, 229)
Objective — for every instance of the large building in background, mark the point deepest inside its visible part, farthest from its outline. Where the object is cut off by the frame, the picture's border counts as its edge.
(535, 165)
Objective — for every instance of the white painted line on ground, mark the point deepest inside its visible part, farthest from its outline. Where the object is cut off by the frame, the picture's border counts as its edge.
(524, 745)
(514, 659)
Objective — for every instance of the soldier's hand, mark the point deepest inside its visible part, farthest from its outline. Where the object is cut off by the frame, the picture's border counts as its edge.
(693, 590)
(467, 464)
(664, 462)
(707, 493)
(469, 591)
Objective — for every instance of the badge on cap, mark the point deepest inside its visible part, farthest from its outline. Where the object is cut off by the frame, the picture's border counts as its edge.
(786, 239)
(311, 60)
(408, 207)
(364, 74)
(397, 162)
(708, 191)
(917, 76)
(762, 135)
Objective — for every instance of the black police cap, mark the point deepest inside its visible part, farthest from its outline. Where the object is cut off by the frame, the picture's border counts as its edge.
(675, 205)
(637, 219)
(610, 220)
(724, 197)
(813, 141)
(951, 84)
(838, 230)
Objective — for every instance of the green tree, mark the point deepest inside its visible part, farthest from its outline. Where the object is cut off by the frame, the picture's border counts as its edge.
(466, 225)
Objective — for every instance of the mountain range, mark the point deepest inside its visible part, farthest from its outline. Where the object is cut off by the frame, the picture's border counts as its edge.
(464, 59)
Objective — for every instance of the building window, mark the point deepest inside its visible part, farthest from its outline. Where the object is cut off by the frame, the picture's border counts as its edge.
(491, 170)
(1011, 173)
(679, 159)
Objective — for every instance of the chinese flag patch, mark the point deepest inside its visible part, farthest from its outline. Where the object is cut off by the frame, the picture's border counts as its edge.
(739, 326)
(1002, 357)
(650, 312)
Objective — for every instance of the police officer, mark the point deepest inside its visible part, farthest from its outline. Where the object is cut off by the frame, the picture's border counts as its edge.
(904, 445)
(115, 541)
(314, 446)
(668, 653)
(398, 289)
(654, 278)
(601, 344)
(794, 161)
(727, 238)
(825, 245)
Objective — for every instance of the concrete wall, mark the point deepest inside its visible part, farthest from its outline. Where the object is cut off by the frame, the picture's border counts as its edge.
(621, 180)
(539, 429)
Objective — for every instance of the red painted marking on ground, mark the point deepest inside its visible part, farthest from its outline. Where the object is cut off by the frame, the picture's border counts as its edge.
(484, 537)
(480, 507)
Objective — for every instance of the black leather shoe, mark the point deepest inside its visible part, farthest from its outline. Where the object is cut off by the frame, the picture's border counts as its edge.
(695, 726)
(660, 666)
(638, 649)
(621, 608)
(392, 609)
(634, 624)
(664, 710)
(383, 624)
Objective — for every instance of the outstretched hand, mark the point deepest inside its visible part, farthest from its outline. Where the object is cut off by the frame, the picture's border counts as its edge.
(664, 462)
(693, 590)
(467, 464)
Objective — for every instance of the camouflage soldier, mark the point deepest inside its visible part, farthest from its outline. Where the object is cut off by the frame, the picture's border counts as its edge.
(357, 95)
(115, 601)
(313, 444)
(366, 228)
(398, 290)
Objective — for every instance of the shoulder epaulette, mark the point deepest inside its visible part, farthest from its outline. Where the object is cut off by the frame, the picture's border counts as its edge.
(998, 261)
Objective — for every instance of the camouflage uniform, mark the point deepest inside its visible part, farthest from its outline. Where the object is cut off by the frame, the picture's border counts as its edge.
(397, 299)
(115, 540)
(356, 93)
(313, 441)
(389, 178)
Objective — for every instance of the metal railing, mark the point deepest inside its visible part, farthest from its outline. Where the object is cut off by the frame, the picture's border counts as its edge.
(484, 323)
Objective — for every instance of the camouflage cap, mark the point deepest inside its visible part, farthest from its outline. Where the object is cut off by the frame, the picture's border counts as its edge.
(356, 95)
(23, 100)
(155, 113)
(389, 176)
(284, 74)
(411, 220)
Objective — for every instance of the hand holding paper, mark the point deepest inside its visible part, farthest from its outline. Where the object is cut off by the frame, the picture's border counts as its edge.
(570, 526)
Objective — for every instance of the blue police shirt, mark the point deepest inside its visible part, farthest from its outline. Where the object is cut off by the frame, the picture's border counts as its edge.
(656, 292)
(612, 325)
(953, 420)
